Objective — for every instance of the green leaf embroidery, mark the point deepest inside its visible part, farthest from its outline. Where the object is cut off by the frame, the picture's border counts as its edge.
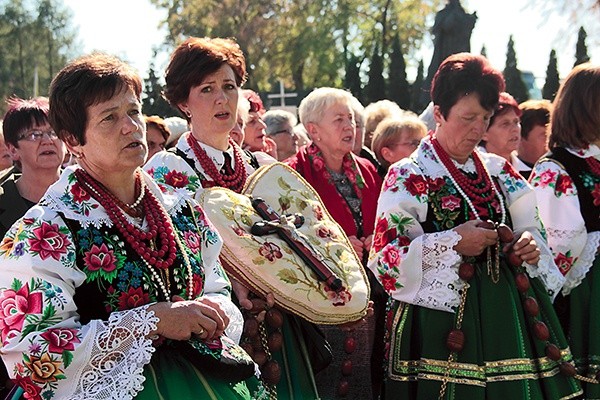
(288, 276)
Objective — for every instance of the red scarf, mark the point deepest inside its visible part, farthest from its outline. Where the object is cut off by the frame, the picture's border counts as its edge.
(363, 176)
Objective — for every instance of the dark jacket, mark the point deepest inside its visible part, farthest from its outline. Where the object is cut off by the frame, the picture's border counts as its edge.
(12, 205)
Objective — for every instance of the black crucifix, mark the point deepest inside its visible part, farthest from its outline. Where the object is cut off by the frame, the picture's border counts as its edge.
(286, 228)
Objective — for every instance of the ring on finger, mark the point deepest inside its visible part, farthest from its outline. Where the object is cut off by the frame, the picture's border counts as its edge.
(201, 331)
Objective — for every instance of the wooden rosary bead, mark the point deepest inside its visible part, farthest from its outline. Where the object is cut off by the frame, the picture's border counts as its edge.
(349, 345)
(522, 281)
(540, 330)
(275, 341)
(514, 259)
(258, 305)
(259, 357)
(466, 271)
(455, 340)
(251, 327)
(347, 367)
(567, 369)
(271, 372)
(531, 306)
(248, 348)
(553, 352)
(505, 234)
(343, 388)
(274, 318)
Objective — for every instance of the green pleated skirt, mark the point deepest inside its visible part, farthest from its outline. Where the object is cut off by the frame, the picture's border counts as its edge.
(169, 376)
(583, 328)
(501, 359)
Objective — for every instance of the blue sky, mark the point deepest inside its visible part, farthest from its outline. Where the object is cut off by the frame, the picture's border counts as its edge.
(129, 29)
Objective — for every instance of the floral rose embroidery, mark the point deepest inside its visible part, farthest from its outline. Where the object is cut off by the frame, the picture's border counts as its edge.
(388, 282)
(100, 258)
(509, 169)
(48, 241)
(391, 256)
(44, 369)
(79, 193)
(546, 177)
(564, 262)
(382, 234)
(450, 202)
(338, 298)
(176, 179)
(563, 184)
(192, 241)
(31, 390)
(436, 184)
(318, 211)
(14, 307)
(238, 231)
(326, 233)
(134, 297)
(270, 251)
(416, 185)
(60, 340)
(390, 179)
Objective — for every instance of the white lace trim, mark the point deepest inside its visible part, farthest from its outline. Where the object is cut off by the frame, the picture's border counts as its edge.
(118, 354)
(236, 320)
(440, 285)
(583, 264)
(548, 273)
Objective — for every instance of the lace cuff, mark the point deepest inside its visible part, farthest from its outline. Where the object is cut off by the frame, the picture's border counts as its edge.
(236, 320)
(548, 273)
(440, 285)
(583, 264)
(119, 351)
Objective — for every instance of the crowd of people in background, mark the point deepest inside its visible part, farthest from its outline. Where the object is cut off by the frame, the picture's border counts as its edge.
(476, 223)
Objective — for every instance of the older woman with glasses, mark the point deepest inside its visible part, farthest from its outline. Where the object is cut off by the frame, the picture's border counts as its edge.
(37, 151)
(280, 128)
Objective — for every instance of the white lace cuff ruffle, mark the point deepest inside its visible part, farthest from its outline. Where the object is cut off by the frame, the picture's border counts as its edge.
(583, 264)
(440, 285)
(548, 273)
(119, 351)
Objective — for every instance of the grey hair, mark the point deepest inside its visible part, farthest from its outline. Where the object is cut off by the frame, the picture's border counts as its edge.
(276, 119)
(313, 106)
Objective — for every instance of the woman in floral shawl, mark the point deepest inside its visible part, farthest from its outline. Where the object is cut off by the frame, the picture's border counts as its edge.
(567, 185)
(104, 294)
(463, 323)
(349, 187)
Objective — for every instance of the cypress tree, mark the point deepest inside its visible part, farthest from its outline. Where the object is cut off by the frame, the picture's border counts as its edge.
(483, 51)
(399, 90)
(512, 75)
(416, 89)
(552, 79)
(154, 103)
(581, 55)
(352, 80)
(375, 89)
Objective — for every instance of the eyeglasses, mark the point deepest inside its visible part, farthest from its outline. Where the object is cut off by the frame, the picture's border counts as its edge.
(288, 131)
(36, 136)
(411, 143)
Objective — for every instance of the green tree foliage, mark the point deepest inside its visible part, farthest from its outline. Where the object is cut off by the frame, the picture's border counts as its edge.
(512, 75)
(36, 35)
(153, 102)
(483, 51)
(552, 78)
(416, 90)
(398, 88)
(352, 80)
(305, 43)
(375, 89)
(581, 54)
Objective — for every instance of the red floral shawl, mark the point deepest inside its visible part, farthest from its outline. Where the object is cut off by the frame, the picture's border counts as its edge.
(361, 173)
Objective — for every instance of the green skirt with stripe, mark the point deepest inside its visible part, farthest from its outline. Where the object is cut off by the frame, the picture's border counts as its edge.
(583, 327)
(501, 359)
(169, 376)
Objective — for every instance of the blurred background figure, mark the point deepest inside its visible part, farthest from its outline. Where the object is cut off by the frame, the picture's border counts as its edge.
(375, 113)
(535, 128)
(427, 117)
(35, 147)
(157, 134)
(6, 160)
(280, 128)
(359, 146)
(301, 135)
(396, 138)
(255, 137)
(177, 126)
(237, 132)
(504, 131)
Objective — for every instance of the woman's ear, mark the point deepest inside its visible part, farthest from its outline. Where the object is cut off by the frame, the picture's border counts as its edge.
(437, 115)
(73, 145)
(386, 154)
(14, 153)
(313, 132)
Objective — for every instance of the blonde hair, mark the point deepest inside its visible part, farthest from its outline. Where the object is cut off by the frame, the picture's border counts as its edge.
(313, 106)
(390, 130)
